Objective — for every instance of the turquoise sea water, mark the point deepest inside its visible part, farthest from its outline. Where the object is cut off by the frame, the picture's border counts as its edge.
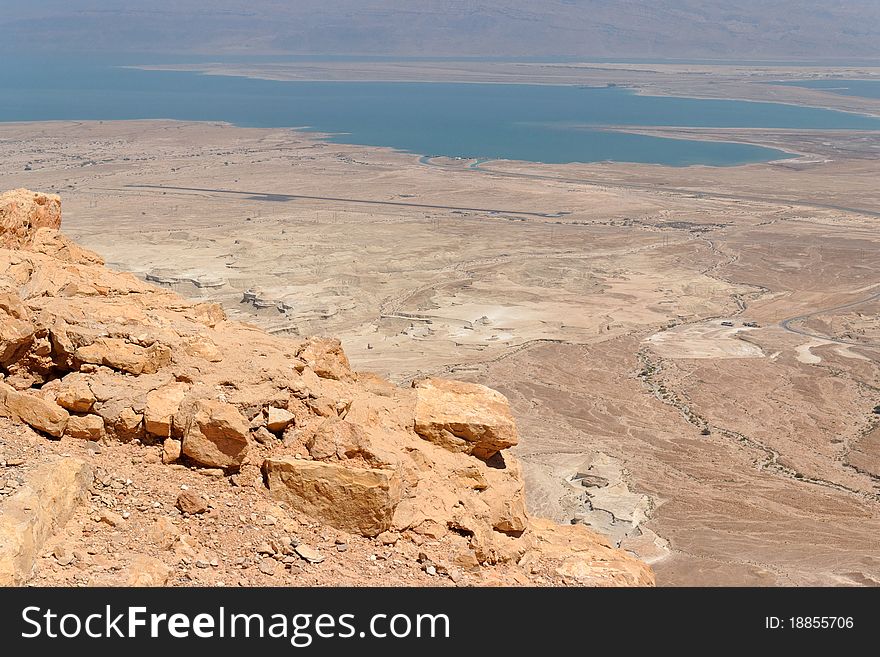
(542, 123)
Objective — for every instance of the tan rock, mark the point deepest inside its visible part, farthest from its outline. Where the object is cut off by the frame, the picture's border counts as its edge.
(163, 533)
(203, 347)
(16, 328)
(41, 414)
(466, 559)
(161, 406)
(75, 394)
(356, 500)
(263, 436)
(111, 518)
(130, 423)
(49, 241)
(277, 419)
(323, 406)
(122, 400)
(85, 427)
(464, 417)
(337, 439)
(505, 498)
(216, 435)
(144, 570)
(308, 553)
(326, 358)
(471, 477)
(121, 355)
(36, 511)
(171, 450)
(192, 503)
(22, 212)
(585, 557)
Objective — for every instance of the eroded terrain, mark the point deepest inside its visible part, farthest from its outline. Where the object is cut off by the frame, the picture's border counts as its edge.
(608, 302)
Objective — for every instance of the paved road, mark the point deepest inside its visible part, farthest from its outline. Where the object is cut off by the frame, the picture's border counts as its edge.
(786, 323)
(267, 196)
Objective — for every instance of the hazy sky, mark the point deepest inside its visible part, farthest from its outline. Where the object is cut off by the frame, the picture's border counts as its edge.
(736, 29)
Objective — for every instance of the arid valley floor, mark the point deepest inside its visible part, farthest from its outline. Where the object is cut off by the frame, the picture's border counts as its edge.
(607, 301)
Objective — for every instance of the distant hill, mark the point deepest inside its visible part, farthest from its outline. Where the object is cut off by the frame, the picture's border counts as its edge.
(735, 29)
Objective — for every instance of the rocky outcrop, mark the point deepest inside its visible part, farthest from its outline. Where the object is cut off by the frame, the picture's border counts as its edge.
(36, 512)
(93, 354)
(464, 417)
(23, 212)
(325, 358)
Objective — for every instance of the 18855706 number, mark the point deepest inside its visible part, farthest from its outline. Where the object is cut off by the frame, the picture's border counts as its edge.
(821, 622)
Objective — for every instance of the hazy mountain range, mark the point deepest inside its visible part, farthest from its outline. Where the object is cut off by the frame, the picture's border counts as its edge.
(735, 29)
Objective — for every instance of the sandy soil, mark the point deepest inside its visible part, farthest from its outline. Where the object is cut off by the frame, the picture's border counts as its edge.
(592, 295)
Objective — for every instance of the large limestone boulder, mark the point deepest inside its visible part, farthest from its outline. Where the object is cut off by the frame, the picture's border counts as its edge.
(22, 212)
(353, 499)
(464, 417)
(216, 435)
(39, 413)
(121, 400)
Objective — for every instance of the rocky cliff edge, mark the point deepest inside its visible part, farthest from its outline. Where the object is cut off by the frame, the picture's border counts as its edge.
(90, 354)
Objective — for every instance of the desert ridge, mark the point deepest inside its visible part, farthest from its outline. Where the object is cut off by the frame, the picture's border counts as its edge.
(103, 372)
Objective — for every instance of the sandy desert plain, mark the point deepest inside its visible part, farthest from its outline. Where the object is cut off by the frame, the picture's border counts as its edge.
(607, 301)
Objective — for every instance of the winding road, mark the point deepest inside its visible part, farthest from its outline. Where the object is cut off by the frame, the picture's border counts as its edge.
(787, 323)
